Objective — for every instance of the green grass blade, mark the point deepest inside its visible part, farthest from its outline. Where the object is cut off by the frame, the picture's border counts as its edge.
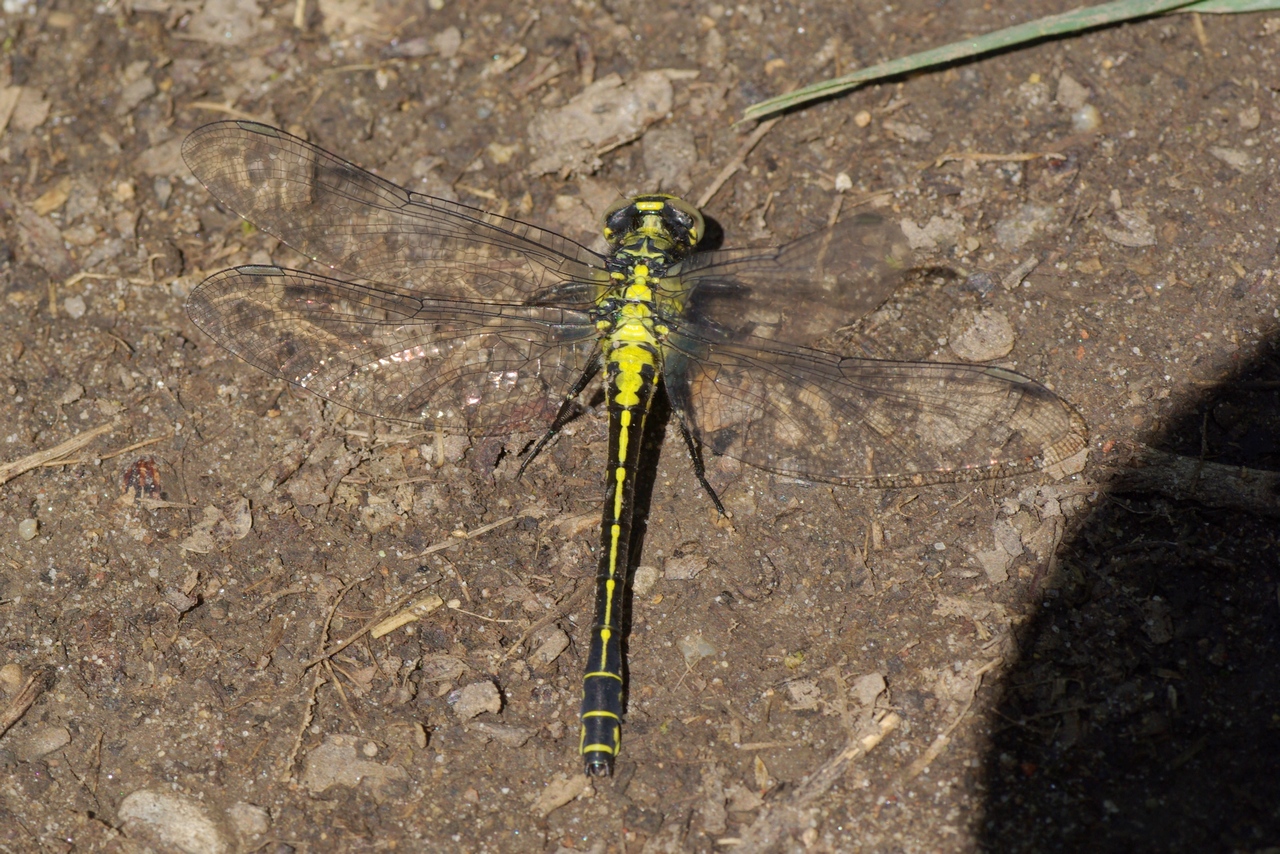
(1067, 22)
(1231, 7)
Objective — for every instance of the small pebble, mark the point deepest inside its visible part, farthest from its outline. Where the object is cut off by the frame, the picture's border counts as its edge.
(982, 337)
(176, 822)
(75, 307)
(28, 528)
(645, 578)
(11, 678)
(249, 819)
(40, 741)
(694, 648)
(1086, 119)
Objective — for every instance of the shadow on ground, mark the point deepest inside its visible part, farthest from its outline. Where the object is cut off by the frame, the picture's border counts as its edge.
(1143, 715)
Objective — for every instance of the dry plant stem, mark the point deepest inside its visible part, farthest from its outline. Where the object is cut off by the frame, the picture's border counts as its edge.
(787, 815)
(736, 163)
(36, 685)
(9, 471)
(1212, 484)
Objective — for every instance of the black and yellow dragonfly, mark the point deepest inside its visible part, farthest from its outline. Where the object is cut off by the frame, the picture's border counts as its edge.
(465, 321)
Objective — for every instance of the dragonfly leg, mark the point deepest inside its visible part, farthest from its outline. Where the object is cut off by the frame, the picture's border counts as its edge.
(695, 454)
(567, 411)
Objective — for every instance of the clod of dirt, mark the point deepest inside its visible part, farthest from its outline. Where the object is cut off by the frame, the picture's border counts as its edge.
(684, 568)
(560, 791)
(694, 648)
(341, 761)
(868, 688)
(936, 233)
(606, 114)
(1016, 230)
(215, 529)
(476, 699)
(504, 734)
(550, 645)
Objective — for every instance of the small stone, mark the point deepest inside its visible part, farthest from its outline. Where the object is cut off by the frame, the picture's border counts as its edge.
(476, 699)
(504, 734)
(936, 233)
(11, 678)
(177, 823)
(982, 337)
(805, 694)
(908, 132)
(1233, 157)
(41, 740)
(1007, 537)
(1071, 94)
(670, 155)
(694, 648)
(448, 42)
(75, 307)
(995, 563)
(645, 579)
(28, 528)
(74, 392)
(1136, 230)
(249, 819)
(339, 762)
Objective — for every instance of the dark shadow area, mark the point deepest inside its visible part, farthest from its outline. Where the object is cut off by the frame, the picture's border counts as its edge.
(1144, 714)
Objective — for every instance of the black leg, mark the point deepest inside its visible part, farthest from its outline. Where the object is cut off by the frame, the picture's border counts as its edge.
(695, 454)
(566, 412)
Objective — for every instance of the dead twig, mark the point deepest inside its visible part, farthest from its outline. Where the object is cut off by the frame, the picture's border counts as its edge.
(787, 815)
(36, 685)
(9, 471)
(736, 163)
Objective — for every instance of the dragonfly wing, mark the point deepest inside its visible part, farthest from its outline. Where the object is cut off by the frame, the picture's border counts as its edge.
(863, 422)
(803, 291)
(341, 216)
(461, 366)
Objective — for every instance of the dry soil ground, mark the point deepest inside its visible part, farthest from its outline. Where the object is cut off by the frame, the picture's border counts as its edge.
(1087, 663)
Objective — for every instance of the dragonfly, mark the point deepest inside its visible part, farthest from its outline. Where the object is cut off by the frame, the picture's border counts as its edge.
(464, 321)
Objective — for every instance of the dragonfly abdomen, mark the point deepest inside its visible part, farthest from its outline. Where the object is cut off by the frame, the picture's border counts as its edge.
(632, 367)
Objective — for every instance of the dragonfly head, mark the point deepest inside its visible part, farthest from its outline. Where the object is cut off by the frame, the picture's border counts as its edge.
(672, 223)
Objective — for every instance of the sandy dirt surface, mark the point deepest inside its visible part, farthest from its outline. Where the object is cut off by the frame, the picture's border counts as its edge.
(1060, 662)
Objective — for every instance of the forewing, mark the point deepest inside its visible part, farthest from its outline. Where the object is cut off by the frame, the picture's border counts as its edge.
(464, 367)
(802, 291)
(344, 217)
(864, 422)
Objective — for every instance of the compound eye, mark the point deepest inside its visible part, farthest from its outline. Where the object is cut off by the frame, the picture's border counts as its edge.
(619, 219)
(688, 217)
